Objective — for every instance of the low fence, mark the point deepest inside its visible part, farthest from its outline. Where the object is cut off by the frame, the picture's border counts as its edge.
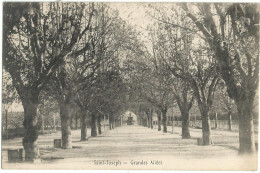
(13, 133)
(19, 132)
(221, 124)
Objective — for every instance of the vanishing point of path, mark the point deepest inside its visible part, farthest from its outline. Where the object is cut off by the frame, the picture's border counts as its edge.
(132, 147)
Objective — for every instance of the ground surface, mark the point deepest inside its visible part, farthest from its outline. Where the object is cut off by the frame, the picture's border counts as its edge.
(137, 147)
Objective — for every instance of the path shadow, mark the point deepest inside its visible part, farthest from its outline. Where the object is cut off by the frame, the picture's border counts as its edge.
(227, 146)
(79, 141)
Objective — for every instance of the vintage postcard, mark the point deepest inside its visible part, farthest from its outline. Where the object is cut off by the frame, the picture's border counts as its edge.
(130, 86)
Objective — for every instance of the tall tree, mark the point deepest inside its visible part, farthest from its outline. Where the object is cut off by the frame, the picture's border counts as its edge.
(190, 61)
(149, 79)
(181, 89)
(83, 100)
(36, 40)
(203, 79)
(232, 32)
(184, 98)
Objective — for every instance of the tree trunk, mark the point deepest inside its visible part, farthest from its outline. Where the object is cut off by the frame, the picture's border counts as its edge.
(206, 129)
(83, 127)
(76, 122)
(164, 120)
(65, 126)
(42, 122)
(54, 123)
(151, 118)
(184, 107)
(71, 122)
(246, 126)
(110, 122)
(216, 120)
(229, 120)
(185, 124)
(159, 122)
(110, 126)
(93, 125)
(148, 121)
(6, 120)
(243, 96)
(99, 125)
(31, 134)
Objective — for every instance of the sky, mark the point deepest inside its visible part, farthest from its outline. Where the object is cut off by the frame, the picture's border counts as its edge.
(134, 14)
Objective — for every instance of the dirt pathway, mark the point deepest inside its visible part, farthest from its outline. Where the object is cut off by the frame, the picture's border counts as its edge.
(136, 147)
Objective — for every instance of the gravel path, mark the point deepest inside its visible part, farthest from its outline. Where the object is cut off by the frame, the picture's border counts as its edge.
(137, 147)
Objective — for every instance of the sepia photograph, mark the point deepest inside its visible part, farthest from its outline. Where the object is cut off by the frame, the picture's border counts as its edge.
(130, 86)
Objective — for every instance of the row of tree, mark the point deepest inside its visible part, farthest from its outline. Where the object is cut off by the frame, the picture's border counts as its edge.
(66, 54)
(197, 51)
(83, 56)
